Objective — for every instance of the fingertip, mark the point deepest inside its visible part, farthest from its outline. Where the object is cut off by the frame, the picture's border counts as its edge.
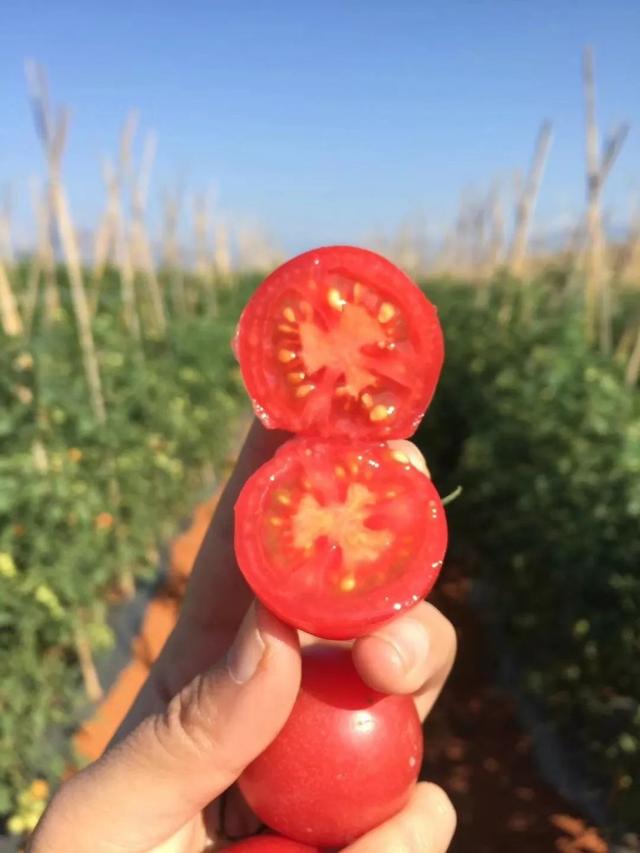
(427, 823)
(412, 453)
(278, 635)
(378, 664)
(438, 803)
(395, 658)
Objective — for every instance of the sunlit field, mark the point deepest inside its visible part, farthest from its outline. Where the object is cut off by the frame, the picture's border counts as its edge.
(121, 406)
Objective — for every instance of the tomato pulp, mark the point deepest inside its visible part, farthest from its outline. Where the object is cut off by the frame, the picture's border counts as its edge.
(339, 341)
(346, 760)
(335, 539)
(270, 844)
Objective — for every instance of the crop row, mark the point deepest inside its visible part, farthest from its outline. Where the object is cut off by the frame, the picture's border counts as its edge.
(543, 434)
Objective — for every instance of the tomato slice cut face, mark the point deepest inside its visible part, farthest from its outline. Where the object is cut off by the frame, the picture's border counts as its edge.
(339, 341)
(335, 539)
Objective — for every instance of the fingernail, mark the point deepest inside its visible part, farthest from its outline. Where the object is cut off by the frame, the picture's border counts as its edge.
(409, 640)
(247, 650)
(412, 453)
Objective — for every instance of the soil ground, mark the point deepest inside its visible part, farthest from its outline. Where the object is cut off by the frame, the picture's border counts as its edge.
(476, 750)
(474, 746)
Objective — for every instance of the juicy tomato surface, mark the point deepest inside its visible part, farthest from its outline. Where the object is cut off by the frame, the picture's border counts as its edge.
(339, 341)
(346, 760)
(335, 539)
(270, 844)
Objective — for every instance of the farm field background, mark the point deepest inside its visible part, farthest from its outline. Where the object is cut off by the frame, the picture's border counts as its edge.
(121, 406)
(538, 427)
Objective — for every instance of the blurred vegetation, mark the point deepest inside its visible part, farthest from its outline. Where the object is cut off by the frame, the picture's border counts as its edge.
(84, 507)
(544, 436)
(538, 426)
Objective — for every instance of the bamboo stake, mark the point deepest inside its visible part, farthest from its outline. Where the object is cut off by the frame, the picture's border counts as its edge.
(478, 231)
(171, 255)
(43, 262)
(633, 365)
(598, 285)
(6, 243)
(106, 234)
(88, 669)
(629, 263)
(9, 313)
(35, 267)
(53, 137)
(442, 263)
(624, 346)
(140, 244)
(222, 252)
(461, 235)
(32, 291)
(200, 237)
(204, 261)
(122, 256)
(527, 201)
(496, 248)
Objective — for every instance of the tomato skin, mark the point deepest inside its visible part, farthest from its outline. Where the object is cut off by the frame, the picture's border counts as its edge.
(300, 592)
(270, 844)
(346, 760)
(419, 356)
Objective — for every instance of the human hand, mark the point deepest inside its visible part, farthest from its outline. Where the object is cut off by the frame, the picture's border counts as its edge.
(164, 785)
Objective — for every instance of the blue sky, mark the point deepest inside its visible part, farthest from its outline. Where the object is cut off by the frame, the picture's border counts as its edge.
(323, 120)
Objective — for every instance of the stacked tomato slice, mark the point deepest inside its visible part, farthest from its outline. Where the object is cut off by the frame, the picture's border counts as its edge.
(339, 532)
(340, 342)
(336, 537)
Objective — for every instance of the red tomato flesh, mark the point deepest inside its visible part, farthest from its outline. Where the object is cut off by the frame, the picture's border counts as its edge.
(346, 760)
(339, 341)
(270, 844)
(335, 539)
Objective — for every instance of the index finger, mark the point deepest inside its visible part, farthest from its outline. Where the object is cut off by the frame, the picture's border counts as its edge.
(427, 823)
(217, 594)
(216, 599)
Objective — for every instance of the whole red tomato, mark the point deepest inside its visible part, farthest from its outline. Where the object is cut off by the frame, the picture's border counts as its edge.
(346, 760)
(339, 341)
(270, 844)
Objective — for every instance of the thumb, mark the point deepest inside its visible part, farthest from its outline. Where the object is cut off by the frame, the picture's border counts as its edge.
(170, 767)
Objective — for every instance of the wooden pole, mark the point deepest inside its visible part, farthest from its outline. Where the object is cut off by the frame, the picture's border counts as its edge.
(6, 243)
(598, 285)
(633, 365)
(140, 243)
(527, 201)
(122, 256)
(53, 137)
(9, 310)
(106, 234)
(171, 255)
(204, 259)
(630, 260)
(222, 251)
(42, 262)
(90, 677)
(496, 248)
(9, 313)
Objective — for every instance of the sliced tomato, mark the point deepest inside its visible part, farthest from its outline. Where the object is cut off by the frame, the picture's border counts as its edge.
(339, 341)
(335, 539)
